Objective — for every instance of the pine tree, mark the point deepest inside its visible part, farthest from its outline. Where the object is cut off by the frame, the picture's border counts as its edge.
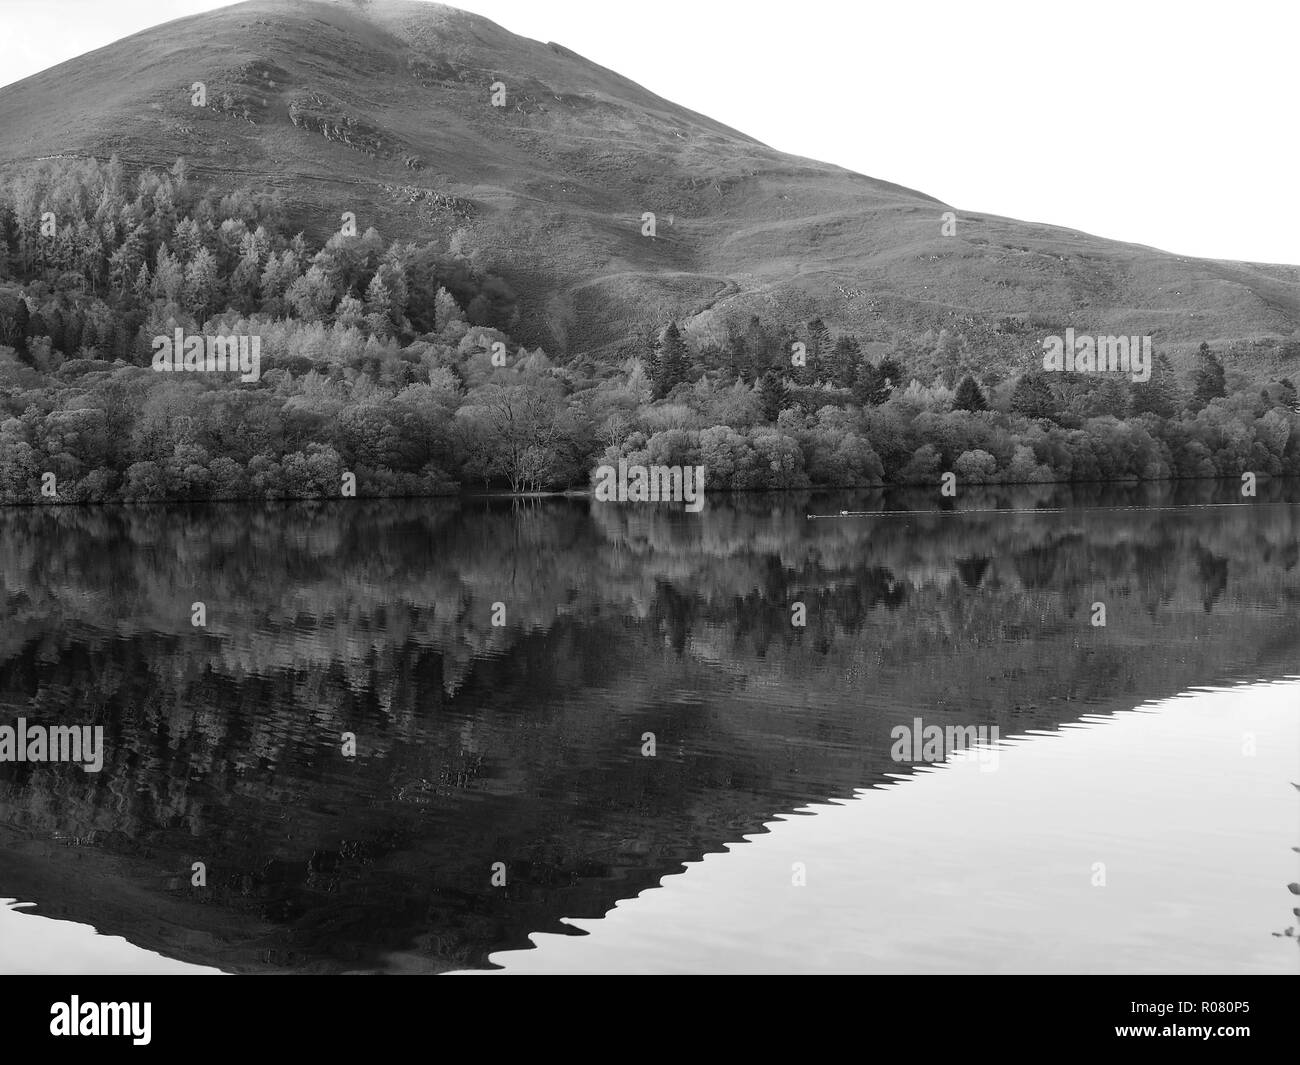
(1033, 396)
(890, 373)
(969, 396)
(189, 240)
(394, 279)
(163, 219)
(142, 290)
(168, 276)
(379, 307)
(243, 284)
(120, 270)
(350, 312)
(672, 366)
(279, 274)
(1158, 394)
(202, 282)
(819, 339)
(866, 385)
(819, 347)
(844, 361)
(771, 395)
(1111, 398)
(873, 385)
(1210, 381)
(445, 309)
(758, 345)
(650, 360)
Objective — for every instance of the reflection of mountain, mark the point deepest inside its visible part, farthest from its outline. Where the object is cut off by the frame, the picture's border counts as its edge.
(522, 744)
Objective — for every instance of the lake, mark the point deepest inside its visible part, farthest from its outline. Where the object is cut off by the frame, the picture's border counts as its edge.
(558, 735)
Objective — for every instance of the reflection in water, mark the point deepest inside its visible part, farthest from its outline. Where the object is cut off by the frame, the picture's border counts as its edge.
(520, 746)
(1067, 859)
(38, 945)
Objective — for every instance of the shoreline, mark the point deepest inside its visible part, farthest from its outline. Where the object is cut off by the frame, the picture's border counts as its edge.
(589, 493)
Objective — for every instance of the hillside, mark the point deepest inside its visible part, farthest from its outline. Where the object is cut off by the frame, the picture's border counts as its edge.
(384, 110)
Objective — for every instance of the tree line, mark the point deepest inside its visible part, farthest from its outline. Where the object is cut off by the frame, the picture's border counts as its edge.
(394, 361)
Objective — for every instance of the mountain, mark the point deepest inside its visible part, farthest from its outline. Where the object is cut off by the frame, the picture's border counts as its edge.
(385, 109)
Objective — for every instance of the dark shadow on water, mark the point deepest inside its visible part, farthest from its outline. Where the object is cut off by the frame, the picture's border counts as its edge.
(521, 743)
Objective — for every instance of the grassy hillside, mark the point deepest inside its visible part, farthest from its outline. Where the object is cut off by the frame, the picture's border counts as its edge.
(385, 111)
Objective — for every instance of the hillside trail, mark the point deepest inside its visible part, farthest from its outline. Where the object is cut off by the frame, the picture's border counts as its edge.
(727, 287)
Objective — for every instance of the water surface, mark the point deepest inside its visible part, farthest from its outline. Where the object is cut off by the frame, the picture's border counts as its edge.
(517, 749)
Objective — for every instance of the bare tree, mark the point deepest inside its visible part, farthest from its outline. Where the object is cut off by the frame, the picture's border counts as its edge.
(519, 428)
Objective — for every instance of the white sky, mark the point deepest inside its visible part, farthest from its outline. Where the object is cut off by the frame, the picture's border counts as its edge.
(1172, 123)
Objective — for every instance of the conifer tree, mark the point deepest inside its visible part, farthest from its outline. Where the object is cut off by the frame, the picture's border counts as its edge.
(1210, 381)
(819, 339)
(1158, 394)
(672, 365)
(1033, 396)
(844, 361)
(818, 342)
(969, 396)
(771, 395)
(202, 284)
(379, 307)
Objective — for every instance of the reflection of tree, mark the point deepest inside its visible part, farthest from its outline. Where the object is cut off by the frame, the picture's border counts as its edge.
(1037, 566)
(483, 744)
(1214, 576)
(971, 570)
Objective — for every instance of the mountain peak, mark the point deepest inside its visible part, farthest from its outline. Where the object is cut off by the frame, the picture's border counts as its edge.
(427, 120)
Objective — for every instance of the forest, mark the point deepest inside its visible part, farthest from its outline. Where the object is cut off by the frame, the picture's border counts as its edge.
(394, 361)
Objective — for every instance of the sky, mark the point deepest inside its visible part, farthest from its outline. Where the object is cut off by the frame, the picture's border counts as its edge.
(1170, 123)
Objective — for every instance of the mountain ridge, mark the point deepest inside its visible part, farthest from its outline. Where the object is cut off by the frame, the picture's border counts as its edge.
(390, 102)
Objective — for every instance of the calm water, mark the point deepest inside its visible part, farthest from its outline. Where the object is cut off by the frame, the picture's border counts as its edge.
(1135, 813)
